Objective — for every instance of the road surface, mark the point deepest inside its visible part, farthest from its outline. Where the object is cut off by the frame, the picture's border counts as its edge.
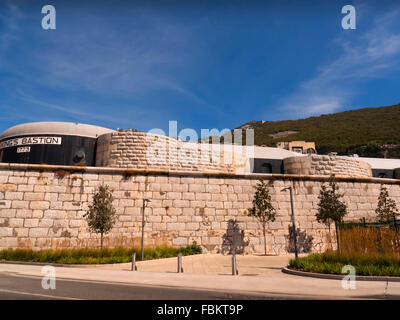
(15, 287)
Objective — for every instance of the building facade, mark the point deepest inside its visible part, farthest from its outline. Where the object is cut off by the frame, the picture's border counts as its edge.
(55, 143)
(198, 192)
(298, 146)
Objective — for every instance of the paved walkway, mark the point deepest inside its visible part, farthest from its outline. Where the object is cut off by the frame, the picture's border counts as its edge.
(217, 264)
(258, 274)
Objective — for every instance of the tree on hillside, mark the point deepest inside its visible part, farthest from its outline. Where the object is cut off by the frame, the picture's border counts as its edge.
(386, 209)
(262, 208)
(101, 215)
(330, 207)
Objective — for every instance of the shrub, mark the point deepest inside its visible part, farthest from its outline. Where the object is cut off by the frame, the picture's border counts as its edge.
(194, 248)
(94, 256)
(331, 262)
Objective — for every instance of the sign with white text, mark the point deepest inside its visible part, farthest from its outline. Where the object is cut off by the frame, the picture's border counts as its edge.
(23, 149)
(30, 141)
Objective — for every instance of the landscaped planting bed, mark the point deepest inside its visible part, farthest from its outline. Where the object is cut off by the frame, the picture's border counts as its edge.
(94, 256)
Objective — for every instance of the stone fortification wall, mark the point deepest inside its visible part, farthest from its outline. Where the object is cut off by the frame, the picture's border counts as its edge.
(326, 165)
(43, 207)
(141, 150)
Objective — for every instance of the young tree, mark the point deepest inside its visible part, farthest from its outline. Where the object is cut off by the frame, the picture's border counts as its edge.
(330, 208)
(101, 214)
(386, 209)
(262, 208)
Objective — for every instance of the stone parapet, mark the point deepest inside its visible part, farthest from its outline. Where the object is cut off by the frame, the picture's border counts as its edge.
(141, 150)
(327, 165)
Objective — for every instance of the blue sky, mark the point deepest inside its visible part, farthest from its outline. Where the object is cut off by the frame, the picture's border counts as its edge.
(206, 64)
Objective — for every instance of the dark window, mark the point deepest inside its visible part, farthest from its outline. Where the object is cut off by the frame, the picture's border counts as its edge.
(297, 149)
(266, 168)
(310, 150)
(382, 175)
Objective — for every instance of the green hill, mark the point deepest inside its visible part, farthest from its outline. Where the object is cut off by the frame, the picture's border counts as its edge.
(371, 132)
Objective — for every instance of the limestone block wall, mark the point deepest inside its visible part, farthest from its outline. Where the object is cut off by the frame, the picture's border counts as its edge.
(327, 165)
(43, 207)
(141, 150)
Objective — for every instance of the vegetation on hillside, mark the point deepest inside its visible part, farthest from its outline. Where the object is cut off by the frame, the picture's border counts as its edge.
(373, 132)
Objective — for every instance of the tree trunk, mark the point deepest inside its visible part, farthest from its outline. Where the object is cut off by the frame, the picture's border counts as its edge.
(265, 241)
(330, 236)
(337, 237)
(101, 240)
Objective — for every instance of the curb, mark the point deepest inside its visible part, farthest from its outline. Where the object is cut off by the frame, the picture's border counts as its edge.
(337, 276)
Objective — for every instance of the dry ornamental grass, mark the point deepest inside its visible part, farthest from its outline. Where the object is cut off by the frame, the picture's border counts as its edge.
(370, 241)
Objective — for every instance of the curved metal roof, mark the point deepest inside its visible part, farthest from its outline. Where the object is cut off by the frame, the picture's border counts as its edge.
(61, 128)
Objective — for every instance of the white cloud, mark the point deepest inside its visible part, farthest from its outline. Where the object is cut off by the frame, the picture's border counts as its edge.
(373, 55)
(11, 18)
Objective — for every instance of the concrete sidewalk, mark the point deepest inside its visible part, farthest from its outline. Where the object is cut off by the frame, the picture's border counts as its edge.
(259, 274)
(216, 264)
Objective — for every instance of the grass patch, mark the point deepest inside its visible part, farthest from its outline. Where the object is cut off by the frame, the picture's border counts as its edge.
(331, 262)
(95, 256)
(371, 251)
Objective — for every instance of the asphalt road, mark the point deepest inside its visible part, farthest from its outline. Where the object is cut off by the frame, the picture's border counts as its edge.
(14, 287)
(18, 287)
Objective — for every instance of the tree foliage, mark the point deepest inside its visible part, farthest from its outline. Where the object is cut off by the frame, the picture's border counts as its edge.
(262, 209)
(386, 209)
(101, 214)
(330, 207)
(362, 131)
